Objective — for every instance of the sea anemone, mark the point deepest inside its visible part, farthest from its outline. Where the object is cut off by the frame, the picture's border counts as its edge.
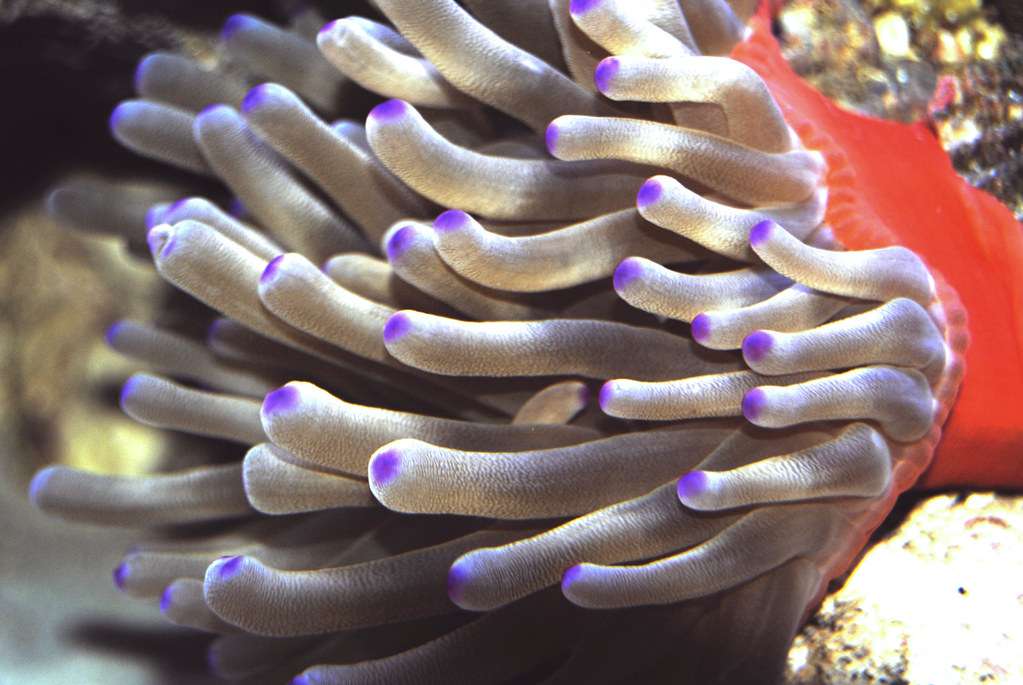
(766, 394)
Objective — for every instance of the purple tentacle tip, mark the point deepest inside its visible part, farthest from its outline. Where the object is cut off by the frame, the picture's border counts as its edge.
(649, 193)
(301, 680)
(753, 403)
(233, 24)
(140, 72)
(384, 467)
(604, 72)
(571, 575)
(388, 111)
(121, 575)
(38, 483)
(458, 574)
(551, 137)
(761, 233)
(692, 484)
(606, 395)
(271, 269)
(111, 335)
(117, 116)
(399, 241)
(396, 326)
(177, 204)
(582, 6)
(328, 27)
(229, 567)
(255, 97)
(166, 598)
(283, 398)
(451, 220)
(756, 345)
(700, 328)
(626, 272)
(127, 389)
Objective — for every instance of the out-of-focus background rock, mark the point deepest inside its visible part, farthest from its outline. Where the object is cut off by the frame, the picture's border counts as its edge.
(63, 66)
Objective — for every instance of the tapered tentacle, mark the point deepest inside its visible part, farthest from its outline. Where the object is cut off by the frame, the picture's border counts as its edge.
(483, 65)
(262, 600)
(722, 165)
(766, 538)
(204, 211)
(181, 82)
(688, 398)
(653, 288)
(201, 494)
(285, 57)
(457, 177)
(106, 208)
(183, 357)
(160, 132)
(269, 190)
(796, 308)
(416, 477)
(899, 400)
(412, 253)
(158, 402)
(370, 62)
(899, 332)
(335, 157)
(881, 274)
(322, 429)
(857, 463)
(274, 484)
(556, 259)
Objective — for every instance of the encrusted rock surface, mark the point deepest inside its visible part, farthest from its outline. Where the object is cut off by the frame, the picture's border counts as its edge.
(938, 601)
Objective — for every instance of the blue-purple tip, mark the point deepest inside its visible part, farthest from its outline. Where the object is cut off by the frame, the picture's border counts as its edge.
(626, 272)
(571, 575)
(255, 97)
(582, 6)
(111, 335)
(388, 111)
(756, 345)
(692, 484)
(120, 575)
(271, 269)
(753, 403)
(649, 193)
(38, 483)
(301, 679)
(761, 233)
(127, 389)
(604, 72)
(551, 137)
(166, 598)
(458, 574)
(328, 27)
(606, 395)
(154, 216)
(234, 23)
(396, 326)
(700, 328)
(140, 72)
(282, 399)
(399, 241)
(177, 204)
(229, 567)
(118, 115)
(451, 220)
(383, 468)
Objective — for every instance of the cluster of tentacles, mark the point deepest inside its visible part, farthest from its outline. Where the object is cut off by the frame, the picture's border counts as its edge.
(765, 394)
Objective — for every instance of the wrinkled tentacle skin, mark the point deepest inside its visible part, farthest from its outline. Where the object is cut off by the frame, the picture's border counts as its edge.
(437, 474)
